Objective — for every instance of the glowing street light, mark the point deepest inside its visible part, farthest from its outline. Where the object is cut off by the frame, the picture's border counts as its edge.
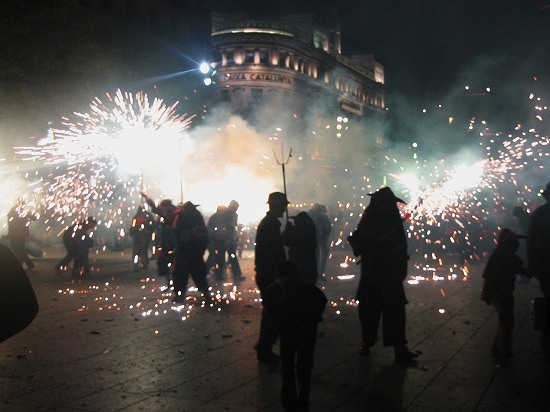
(204, 68)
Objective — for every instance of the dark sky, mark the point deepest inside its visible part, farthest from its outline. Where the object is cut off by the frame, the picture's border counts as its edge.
(54, 58)
(422, 41)
(425, 45)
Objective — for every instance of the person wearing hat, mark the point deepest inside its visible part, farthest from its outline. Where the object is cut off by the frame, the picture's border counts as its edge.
(538, 254)
(498, 288)
(268, 254)
(381, 242)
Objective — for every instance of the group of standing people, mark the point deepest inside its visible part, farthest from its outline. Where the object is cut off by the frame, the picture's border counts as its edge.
(183, 240)
(293, 306)
(184, 237)
(223, 233)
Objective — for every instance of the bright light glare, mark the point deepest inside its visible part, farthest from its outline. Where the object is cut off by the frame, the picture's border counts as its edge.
(204, 68)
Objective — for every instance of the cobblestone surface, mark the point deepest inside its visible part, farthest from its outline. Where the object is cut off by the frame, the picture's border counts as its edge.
(116, 342)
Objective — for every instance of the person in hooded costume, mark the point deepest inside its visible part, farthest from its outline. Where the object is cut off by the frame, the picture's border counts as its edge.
(381, 242)
(191, 242)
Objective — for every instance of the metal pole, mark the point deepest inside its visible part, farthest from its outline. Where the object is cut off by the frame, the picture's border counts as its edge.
(283, 164)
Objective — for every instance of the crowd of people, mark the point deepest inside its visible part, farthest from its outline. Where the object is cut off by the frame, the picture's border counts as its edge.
(289, 261)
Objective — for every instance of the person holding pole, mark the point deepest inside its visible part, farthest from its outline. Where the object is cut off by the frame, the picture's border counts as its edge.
(269, 253)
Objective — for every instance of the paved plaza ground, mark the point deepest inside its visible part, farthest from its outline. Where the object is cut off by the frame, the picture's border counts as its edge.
(116, 342)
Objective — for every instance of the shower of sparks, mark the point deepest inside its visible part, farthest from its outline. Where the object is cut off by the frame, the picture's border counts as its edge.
(96, 164)
(457, 205)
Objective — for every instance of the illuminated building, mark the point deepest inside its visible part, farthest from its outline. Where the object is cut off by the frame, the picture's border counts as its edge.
(270, 67)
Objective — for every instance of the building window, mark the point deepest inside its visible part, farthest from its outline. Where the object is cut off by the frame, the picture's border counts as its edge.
(249, 59)
(264, 57)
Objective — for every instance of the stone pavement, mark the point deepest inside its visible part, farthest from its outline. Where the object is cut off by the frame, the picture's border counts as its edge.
(115, 342)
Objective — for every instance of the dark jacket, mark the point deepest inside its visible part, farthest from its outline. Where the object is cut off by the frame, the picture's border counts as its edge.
(301, 239)
(501, 270)
(381, 242)
(269, 250)
(190, 231)
(294, 306)
(538, 241)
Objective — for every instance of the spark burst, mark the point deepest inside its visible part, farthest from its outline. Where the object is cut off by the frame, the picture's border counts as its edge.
(96, 163)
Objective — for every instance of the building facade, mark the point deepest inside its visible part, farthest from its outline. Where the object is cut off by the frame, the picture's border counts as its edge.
(290, 67)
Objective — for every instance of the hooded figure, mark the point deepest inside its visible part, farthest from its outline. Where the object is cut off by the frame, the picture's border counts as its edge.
(381, 242)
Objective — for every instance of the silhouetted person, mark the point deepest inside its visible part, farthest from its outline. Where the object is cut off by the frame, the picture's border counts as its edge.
(191, 243)
(295, 307)
(381, 242)
(522, 226)
(232, 240)
(301, 239)
(165, 235)
(538, 252)
(217, 237)
(78, 241)
(498, 288)
(18, 233)
(140, 231)
(318, 214)
(19, 304)
(269, 253)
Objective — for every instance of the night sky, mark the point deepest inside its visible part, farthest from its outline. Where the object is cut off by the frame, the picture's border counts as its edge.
(425, 44)
(54, 56)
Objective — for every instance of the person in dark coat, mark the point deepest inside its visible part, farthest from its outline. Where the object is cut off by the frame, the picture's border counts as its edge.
(538, 254)
(318, 214)
(19, 304)
(191, 242)
(301, 239)
(381, 242)
(77, 240)
(498, 288)
(18, 233)
(268, 254)
(165, 235)
(217, 242)
(295, 307)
